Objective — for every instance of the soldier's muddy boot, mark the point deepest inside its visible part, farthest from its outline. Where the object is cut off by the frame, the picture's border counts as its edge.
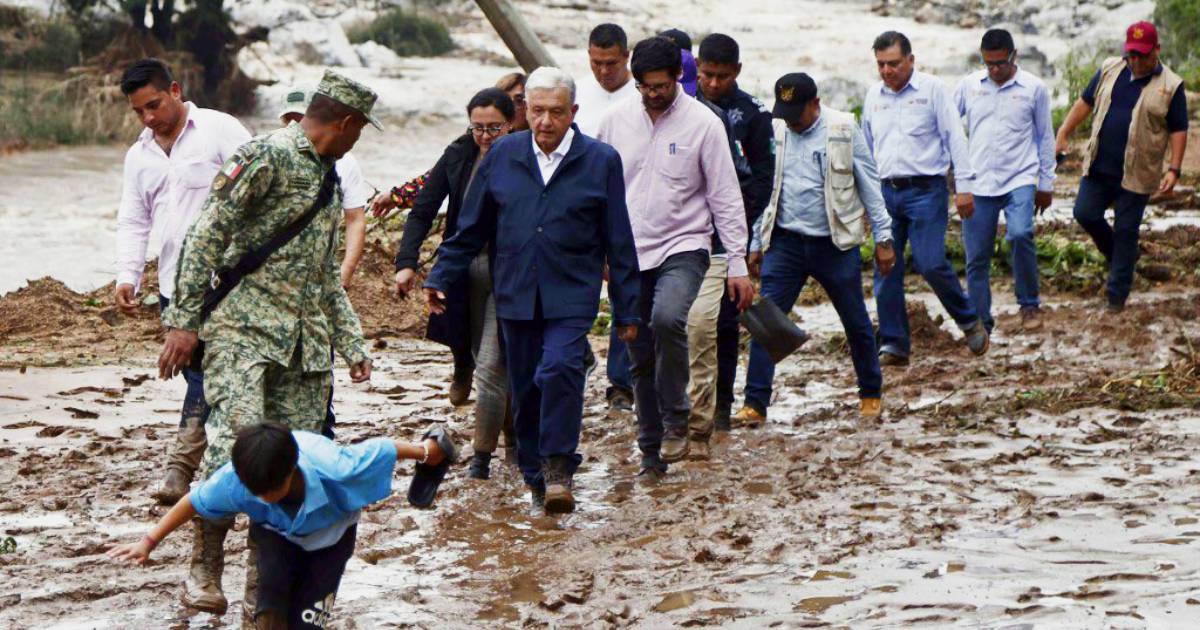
(559, 499)
(203, 588)
(250, 595)
(183, 462)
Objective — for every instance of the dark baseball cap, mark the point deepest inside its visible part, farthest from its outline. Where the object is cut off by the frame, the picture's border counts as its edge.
(681, 39)
(792, 92)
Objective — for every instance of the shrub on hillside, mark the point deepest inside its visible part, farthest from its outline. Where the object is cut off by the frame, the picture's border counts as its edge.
(28, 42)
(409, 35)
(1179, 23)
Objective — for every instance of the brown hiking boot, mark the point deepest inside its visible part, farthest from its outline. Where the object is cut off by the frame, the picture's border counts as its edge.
(674, 449)
(871, 408)
(559, 499)
(698, 450)
(202, 590)
(182, 463)
(748, 417)
(1031, 318)
(250, 595)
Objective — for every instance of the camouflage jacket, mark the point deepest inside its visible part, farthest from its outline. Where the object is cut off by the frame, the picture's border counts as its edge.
(296, 297)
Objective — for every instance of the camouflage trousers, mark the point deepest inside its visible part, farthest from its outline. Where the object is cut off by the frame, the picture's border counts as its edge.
(243, 389)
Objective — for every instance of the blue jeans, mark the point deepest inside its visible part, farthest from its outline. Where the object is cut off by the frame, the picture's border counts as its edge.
(660, 351)
(546, 378)
(920, 214)
(1118, 242)
(618, 365)
(787, 265)
(193, 401)
(979, 239)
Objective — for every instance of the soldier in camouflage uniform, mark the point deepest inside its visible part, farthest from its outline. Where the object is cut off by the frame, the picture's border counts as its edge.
(267, 344)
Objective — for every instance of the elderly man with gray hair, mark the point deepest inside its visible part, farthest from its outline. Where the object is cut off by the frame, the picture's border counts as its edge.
(552, 202)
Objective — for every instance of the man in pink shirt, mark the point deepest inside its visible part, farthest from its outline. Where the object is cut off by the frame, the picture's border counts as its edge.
(680, 182)
(168, 173)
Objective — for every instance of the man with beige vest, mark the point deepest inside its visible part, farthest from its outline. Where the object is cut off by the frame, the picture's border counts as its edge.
(825, 181)
(1138, 109)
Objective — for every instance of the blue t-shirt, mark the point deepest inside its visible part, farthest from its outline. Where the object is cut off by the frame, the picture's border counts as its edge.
(338, 482)
(1114, 133)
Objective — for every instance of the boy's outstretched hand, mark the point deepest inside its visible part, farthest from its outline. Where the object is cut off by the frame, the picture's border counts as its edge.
(133, 553)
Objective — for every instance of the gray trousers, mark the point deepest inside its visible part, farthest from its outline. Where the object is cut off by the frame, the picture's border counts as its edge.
(660, 351)
(491, 377)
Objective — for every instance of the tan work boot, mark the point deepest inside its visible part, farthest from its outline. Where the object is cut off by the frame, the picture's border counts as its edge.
(871, 408)
(183, 461)
(250, 595)
(748, 417)
(559, 499)
(202, 590)
(698, 449)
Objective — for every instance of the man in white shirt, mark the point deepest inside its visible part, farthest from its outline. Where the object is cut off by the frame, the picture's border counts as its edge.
(611, 81)
(168, 172)
(355, 195)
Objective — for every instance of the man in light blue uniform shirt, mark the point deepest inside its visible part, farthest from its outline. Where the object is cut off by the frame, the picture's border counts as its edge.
(794, 238)
(1011, 140)
(913, 130)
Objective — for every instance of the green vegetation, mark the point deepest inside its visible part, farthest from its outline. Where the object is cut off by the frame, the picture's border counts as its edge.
(1178, 22)
(1077, 69)
(8, 545)
(28, 42)
(38, 111)
(407, 34)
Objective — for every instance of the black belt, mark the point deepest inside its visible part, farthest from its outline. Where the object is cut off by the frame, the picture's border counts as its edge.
(916, 181)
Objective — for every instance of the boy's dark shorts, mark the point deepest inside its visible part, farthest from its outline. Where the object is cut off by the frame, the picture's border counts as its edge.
(299, 584)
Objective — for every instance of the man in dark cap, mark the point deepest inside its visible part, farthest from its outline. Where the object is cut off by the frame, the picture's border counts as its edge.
(825, 180)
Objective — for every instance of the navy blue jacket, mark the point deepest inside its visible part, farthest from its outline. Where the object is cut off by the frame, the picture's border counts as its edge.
(551, 239)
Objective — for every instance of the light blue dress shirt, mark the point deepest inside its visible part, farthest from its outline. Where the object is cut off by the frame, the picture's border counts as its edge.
(1010, 133)
(802, 193)
(916, 131)
(338, 482)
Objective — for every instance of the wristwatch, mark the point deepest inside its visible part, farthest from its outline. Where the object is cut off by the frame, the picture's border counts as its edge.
(1176, 170)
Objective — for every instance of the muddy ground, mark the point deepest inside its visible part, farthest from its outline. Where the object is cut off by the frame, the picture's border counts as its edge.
(1053, 483)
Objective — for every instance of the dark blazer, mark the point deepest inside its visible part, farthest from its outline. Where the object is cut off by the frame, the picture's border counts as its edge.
(448, 179)
(551, 239)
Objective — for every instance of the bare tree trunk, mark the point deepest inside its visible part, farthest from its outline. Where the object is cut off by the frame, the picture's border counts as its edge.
(520, 39)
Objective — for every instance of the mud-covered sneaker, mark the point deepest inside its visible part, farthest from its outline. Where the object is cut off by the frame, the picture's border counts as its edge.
(460, 393)
(650, 475)
(892, 359)
(748, 417)
(1031, 318)
(698, 450)
(978, 339)
(620, 398)
(870, 407)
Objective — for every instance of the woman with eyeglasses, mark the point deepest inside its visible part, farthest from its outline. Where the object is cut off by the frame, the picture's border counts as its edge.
(469, 325)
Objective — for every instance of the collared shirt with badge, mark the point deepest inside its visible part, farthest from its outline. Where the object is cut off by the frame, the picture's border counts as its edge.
(1009, 131)
(295, 300)
(916, 131)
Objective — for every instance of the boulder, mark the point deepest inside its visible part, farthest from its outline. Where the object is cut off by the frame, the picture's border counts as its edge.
(376, 56)
(315, 42)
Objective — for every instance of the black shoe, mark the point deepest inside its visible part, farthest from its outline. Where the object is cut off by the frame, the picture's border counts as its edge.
(620, 398)
(480, 466)
(589, 363)
(721, 420)
(537, 496)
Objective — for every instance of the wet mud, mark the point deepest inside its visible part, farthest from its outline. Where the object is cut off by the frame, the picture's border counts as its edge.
(1052, 483)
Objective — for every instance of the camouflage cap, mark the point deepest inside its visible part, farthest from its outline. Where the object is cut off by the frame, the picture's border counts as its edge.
(295, 102)
(350, 93)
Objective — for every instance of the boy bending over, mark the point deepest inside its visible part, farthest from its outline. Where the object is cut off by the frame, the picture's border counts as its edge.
(303, 494)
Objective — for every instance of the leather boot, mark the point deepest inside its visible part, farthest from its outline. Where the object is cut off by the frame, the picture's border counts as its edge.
(559, 499)
(203, 588)
(250, 595)
(183, 462)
